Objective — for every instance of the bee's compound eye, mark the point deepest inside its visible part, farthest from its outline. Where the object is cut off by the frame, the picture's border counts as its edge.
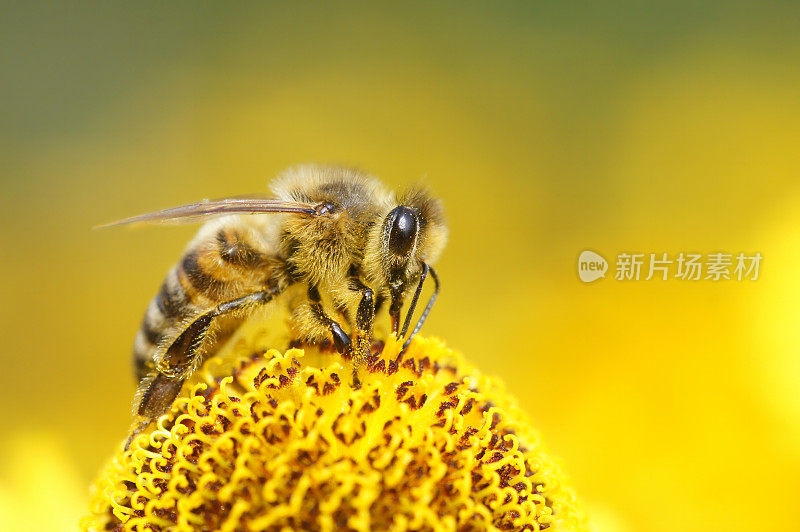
(324, 208)
(403, 231)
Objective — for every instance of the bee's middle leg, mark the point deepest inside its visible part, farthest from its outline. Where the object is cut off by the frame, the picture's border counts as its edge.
(341, 341)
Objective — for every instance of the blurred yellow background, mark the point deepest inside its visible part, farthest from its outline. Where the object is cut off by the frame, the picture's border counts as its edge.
(546, 128)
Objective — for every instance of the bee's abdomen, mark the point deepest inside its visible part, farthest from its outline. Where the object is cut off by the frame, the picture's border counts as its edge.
(215, 270)
(170, 306)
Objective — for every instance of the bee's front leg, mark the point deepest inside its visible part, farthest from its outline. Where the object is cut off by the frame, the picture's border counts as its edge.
(365, 320)
(395, 307)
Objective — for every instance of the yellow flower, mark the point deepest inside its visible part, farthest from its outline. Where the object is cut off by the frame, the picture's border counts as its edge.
(262, 440)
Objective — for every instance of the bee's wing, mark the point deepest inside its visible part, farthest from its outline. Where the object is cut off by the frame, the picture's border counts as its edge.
(194, 212)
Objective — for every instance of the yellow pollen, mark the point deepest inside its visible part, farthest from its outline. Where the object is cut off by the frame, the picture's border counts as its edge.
(264, 440)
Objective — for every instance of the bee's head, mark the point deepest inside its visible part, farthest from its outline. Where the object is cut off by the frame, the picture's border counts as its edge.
(412, 232)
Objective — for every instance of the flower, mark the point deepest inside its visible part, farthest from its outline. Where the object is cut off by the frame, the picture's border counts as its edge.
(264, 440)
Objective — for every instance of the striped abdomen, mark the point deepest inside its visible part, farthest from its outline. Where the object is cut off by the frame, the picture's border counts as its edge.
(220, 264)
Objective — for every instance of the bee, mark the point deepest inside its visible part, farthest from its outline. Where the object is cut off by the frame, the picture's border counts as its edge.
(335, 235)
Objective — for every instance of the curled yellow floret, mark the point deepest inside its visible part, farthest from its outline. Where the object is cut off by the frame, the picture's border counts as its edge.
(263, 440)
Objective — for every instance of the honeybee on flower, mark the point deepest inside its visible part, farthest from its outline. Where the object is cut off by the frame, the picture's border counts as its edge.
(336, 238)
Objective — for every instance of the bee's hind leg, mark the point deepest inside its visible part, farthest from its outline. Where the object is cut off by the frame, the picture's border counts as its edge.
(155, 395)
(158, 390)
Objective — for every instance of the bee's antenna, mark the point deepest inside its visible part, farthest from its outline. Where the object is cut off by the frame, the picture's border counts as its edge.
(413, 305)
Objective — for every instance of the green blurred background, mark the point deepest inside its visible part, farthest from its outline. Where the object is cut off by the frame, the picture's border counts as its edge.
(547, 128)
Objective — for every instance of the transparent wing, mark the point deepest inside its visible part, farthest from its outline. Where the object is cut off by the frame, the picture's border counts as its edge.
(194, 212)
